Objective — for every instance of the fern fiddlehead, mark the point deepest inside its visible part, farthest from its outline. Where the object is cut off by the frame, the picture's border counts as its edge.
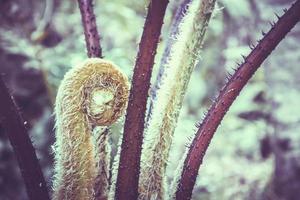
(91, 94)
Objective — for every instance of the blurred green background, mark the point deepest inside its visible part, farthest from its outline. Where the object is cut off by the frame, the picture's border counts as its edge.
(256, 151)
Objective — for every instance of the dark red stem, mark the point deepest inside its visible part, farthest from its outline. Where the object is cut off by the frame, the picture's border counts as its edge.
(92, 38)
(226, 97)
(129, 167)
(14, 126)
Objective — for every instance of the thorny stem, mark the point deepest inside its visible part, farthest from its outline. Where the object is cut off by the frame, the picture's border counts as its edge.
(14, 126)
(226, 97)
(92, 38)
(129, 167)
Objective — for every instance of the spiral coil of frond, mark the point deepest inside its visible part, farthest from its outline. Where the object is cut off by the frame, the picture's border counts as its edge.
(91, 94)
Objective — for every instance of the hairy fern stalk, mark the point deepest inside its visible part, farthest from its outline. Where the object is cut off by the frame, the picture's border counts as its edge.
(184, 55)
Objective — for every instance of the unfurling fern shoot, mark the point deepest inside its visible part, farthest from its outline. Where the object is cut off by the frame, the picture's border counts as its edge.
(92, 94)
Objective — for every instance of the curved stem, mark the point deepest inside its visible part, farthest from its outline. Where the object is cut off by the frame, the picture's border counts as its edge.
(13, 124)
(129, 167)
(226, 97)
(92, 38)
